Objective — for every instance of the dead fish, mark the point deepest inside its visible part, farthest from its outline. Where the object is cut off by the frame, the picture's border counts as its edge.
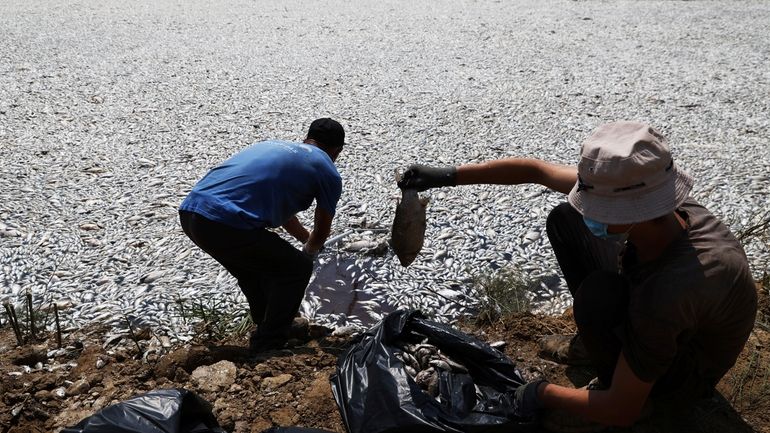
(499, 345)
(455, 366)
(372, 248)
(440, 364)
(410, 360)
(408, 231)
(428, 381)
(411, 371)
(360, 246)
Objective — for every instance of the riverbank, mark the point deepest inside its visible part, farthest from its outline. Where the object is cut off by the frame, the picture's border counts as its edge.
(44, 389)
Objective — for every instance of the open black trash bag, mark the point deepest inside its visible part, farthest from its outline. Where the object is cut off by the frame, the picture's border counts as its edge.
(294, 430)
(158, 411)
(375, 394)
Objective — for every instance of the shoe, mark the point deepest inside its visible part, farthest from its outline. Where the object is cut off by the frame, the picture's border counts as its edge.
(299, 328)
(261, 343)
(564, 349)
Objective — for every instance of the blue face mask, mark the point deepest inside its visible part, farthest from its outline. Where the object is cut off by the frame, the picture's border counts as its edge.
(600, 231)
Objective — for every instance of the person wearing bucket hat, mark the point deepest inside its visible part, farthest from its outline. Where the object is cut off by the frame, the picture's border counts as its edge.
(663, 297)
(229, 212)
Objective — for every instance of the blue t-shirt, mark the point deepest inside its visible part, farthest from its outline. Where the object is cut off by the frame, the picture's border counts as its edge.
(266, 184)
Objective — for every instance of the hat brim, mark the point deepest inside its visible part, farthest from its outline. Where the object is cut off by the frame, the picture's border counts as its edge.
(633, 208)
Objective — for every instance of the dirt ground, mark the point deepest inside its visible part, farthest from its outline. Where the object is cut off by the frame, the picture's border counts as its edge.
(290, 387)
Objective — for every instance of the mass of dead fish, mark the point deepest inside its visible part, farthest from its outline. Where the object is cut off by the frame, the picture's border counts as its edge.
(423, 362)
(89, 220)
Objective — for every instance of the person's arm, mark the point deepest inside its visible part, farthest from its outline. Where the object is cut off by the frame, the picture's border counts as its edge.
(513, 171)
(620, 405)
(296, 229)
(321, 229)
(509, 171)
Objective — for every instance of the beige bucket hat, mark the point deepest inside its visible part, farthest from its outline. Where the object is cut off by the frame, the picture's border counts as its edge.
(626, 175)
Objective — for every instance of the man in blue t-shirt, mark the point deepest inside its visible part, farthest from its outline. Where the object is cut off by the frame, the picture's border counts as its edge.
(228, 212)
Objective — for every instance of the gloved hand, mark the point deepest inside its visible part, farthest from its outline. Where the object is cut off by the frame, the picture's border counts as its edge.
(526, 402)
(422, 177)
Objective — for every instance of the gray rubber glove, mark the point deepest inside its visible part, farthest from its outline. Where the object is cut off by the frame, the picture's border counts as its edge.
(422, 177)
(526, 401)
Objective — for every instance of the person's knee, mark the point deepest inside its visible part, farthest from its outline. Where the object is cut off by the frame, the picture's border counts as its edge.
(601, 298)
(559, 217)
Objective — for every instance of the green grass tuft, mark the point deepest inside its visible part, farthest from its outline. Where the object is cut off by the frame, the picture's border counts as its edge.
(501, 293)
(214, 320)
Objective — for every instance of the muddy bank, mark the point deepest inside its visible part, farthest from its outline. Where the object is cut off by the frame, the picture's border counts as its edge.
(44, 390)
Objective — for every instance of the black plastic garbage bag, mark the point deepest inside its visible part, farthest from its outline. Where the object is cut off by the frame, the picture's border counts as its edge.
(375, 394)
(294, 430)
(158, 411)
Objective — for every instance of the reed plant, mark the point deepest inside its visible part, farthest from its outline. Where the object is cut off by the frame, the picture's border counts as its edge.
(214, 319)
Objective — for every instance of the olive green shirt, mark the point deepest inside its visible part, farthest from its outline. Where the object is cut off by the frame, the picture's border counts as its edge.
(699, 297)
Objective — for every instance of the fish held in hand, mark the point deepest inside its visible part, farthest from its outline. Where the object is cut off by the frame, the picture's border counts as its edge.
(408, 231)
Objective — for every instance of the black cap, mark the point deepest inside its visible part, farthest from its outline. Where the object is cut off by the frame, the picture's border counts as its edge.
(327, 131)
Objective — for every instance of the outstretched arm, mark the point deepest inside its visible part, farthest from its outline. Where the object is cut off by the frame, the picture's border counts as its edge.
(509, 171)
(513, 171)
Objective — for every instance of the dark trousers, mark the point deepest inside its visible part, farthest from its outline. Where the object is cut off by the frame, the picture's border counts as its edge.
(272, 274)
(601, 300)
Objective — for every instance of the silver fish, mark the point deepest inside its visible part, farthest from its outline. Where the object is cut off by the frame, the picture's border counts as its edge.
(428, 381)
(440, 364)
(408, 231)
